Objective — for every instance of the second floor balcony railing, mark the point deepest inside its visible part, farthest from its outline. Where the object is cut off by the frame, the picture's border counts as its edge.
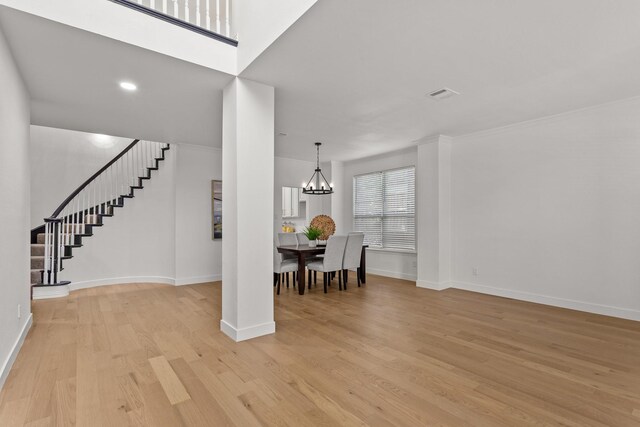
(210, 17)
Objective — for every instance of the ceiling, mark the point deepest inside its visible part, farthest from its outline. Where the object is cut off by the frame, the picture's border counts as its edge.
(354, 74)
(73, 78)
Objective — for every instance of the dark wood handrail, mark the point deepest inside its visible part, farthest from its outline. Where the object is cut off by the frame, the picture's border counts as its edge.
(93, 177)
(176, 21)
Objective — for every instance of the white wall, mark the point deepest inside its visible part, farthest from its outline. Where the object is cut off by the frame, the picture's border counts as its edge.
(260, 23)
(382, 262)
(548, 210)
(81, 154)
(121, 23)
(198, 257)
(292, 173)
(14, 210)
(162, 235)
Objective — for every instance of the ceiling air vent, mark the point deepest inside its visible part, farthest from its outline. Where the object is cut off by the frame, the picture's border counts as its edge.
(443, 93)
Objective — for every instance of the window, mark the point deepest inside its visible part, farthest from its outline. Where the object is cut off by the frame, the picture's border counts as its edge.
(384, 208)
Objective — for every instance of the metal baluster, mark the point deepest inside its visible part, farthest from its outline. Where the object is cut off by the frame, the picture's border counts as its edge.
(100, 182)
(92, 194)
(58, 247)
(226, 18)
(134, 165)
(64, 228)
(110, 175)
(75, 214)
(208, 12)
(94, 185)
(142, 158)
(127, 168)
(218, 16)
(46, 252)
(115, 179)
(71, 226)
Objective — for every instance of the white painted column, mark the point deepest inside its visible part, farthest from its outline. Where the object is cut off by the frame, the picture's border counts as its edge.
(433, 197)
(247, 189)
(341, 189)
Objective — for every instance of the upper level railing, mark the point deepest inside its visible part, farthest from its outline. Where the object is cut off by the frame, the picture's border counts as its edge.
(211, 18)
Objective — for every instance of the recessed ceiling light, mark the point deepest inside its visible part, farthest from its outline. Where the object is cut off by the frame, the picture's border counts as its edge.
(128, 86)
(443, 93)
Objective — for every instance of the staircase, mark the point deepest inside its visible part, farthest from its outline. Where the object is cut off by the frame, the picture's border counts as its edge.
(97, 198)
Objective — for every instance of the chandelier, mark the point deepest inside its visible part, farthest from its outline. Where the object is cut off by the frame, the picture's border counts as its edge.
(317, 184)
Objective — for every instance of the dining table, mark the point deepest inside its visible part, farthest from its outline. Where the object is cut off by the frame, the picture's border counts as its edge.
(303, 252)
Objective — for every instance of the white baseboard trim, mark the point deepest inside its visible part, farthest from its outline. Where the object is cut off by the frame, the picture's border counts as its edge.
(63, 291)
(433, 285)
(198, 279)
(393, 274)
(247, 333)
(6, 366)
(47, 292)
(606, 310)
(121, 280)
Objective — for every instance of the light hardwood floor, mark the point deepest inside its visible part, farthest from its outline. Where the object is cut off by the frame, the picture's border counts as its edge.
(387, 354)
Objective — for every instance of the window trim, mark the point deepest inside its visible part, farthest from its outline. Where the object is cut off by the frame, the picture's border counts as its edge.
(353, 213)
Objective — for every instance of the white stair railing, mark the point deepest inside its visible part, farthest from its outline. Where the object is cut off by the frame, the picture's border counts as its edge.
(95, 198)
(211, 15)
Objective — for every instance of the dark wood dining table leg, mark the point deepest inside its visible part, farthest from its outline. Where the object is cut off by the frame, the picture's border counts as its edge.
(363, 266)
(301, 275)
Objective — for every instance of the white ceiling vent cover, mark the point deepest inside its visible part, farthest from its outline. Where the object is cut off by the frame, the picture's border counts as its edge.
(443, 93)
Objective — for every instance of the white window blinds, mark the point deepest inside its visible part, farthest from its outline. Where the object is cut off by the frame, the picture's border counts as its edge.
(384, 208)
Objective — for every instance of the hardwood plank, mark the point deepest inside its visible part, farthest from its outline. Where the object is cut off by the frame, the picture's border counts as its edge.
(170, 382)
(385, 354)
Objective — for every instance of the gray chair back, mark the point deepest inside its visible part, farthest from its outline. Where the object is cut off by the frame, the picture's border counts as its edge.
(353, 251)
(334, 254)
(302, 239)
(287, 239)
(277, 258)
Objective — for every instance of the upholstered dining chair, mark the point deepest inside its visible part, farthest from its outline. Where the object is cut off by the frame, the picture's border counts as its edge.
(280, 266)
(332, 261)
(352, 255)
(302, 239)
(288, 239)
